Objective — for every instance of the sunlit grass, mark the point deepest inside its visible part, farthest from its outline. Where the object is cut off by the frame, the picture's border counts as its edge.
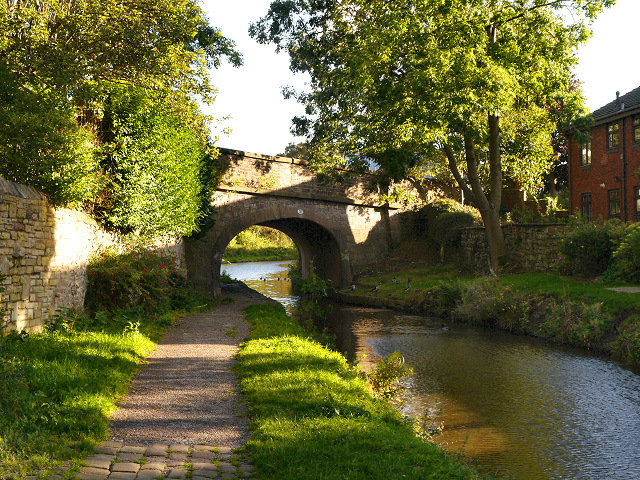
(573, 289)
(59, 387)
(315, 418)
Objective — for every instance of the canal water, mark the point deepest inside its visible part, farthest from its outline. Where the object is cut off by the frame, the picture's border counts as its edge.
(518, 407)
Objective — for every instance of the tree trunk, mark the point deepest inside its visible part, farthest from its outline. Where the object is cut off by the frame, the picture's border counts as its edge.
(489, 206)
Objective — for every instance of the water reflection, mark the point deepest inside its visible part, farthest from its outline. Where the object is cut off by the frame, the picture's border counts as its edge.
(268, 278)
(516, 405)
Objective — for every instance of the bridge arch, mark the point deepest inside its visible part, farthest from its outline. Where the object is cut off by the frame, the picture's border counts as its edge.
(339, 226)
(314, 238)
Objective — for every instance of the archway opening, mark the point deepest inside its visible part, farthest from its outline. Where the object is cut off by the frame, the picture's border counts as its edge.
(259, 242)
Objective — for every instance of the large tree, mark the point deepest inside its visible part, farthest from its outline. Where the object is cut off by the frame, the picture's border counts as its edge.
(60, 58)
(477, 84)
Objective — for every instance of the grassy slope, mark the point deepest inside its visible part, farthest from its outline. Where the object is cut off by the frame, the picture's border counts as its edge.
(315, 418)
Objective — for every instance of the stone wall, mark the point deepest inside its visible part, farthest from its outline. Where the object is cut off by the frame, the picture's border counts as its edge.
(535, 247)
(44, 254)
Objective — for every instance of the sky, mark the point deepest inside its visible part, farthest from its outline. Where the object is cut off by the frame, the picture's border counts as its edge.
(260, 118)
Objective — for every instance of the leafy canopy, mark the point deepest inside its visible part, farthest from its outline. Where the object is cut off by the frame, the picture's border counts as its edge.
(60, 58)
(395, 81)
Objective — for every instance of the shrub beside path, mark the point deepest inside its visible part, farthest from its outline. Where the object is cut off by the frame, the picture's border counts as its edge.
(184, 414)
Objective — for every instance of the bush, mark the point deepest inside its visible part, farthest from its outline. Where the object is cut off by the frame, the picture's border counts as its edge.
(140, 278)
(155, 165)
(586, 251)
(626, 258)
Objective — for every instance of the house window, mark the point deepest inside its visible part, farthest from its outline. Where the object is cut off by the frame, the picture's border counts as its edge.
(614, 203)
(637, 189)
(585, 155)
(636, 128)
(613, 138)
(586, 206)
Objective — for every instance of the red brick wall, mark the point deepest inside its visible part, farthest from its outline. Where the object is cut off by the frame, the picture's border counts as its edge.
(605, 165)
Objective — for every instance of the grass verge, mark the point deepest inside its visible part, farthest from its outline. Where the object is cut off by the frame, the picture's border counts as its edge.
(314, 417)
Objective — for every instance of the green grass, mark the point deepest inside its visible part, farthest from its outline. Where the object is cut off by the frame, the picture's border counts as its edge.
(59, 387)
(67, 386)
(421, 279)
(576, 290)
(314, 417)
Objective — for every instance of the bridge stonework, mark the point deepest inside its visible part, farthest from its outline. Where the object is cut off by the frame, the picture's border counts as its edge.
(339, 226)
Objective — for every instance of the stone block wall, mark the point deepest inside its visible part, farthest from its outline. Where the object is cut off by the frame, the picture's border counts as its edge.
(535, 247)
(44, 254)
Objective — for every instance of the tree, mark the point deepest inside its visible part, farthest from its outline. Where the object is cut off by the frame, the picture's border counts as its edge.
(58, 57)
(477, 84)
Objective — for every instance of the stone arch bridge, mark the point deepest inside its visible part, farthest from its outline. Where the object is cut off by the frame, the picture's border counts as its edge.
(339, 226)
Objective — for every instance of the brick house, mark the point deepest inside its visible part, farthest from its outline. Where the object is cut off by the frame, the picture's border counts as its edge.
(603, 181)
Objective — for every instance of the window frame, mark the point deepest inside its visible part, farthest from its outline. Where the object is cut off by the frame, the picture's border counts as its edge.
(637, 198)
(585, 154)
(586, 202)
(613, 202)
(613, 132)
(635, 125)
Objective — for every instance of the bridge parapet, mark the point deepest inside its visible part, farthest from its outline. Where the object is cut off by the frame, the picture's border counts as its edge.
(289, 177)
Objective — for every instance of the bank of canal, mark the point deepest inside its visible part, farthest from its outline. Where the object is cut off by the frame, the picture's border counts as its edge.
(518, 406)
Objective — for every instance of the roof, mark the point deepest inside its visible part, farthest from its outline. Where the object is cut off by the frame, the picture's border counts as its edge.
(626, 101)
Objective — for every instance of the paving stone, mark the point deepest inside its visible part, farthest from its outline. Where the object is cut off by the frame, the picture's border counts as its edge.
(128, 457)
(204, 466)
(157, 450)
(198, 477)
(225, 450)
(203, 454)
(95, 471)
(153, 466)
(179, 456)
(105, 450)
(204, 473)
(112, 444)
(227, 467)
(125, 467)
(149, 474)
(133, 449)
(179, 448)
(228, 475)
(246, 468)
(174, 463)
(204, 448)
(156, 459)
(91, 476)
(179, 473)
(95, 462)
(122, 476)
(102, 456)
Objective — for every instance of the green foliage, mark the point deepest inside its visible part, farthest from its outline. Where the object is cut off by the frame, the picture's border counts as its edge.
(41, 143)
(627, 345)
(626, 258)
(313, 290)
(478, 87)
(587, 249)
(57, 59)
(445, 229)
(138, 278)
(314, 417)
(385, 376)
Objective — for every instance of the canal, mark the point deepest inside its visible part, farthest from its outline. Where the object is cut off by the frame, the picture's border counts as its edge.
(519, 407)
